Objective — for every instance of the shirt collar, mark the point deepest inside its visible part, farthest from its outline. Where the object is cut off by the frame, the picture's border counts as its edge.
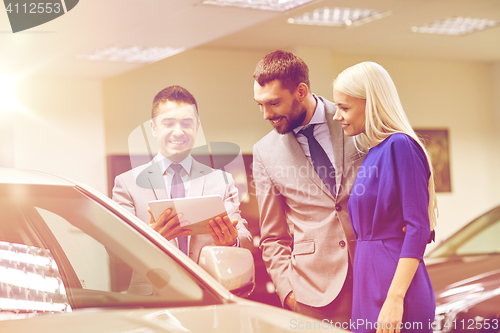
(318, 117)
(164, 163)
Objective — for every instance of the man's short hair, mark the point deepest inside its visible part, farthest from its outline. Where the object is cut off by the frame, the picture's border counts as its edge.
(174, 94)
(284, 66)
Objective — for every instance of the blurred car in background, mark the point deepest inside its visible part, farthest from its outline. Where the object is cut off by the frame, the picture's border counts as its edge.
(72, 260)
(465, 274)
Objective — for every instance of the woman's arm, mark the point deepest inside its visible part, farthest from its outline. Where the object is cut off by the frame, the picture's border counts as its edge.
(391, 315)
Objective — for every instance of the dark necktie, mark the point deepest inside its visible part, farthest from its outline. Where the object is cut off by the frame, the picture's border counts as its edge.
(177, 190)
(322, 164)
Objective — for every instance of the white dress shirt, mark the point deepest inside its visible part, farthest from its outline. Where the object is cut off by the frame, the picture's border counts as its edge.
(168, 173)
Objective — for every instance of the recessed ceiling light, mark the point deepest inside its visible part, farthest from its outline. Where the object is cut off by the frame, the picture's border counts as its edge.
(456, 26)
(338, 17)
(274, 5)
(130, 54)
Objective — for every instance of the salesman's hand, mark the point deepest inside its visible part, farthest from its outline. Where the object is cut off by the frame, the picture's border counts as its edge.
(223, 231)
(168, 226)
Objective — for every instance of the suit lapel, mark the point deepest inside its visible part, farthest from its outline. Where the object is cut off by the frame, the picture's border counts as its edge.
(337, 137)
(151, 179)
(197, 179)
(292, 146)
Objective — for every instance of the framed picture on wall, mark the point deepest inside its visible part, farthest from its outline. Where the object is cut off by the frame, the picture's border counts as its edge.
(436, 141)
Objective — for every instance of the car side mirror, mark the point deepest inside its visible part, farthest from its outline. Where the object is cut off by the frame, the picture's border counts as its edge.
(233, 267)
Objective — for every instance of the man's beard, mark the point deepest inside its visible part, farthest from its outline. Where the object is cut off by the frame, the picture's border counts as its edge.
(295, 119)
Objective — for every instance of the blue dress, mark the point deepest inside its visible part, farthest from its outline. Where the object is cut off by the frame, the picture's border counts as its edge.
(390, 192)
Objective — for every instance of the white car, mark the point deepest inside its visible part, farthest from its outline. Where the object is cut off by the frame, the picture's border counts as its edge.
(72, 260)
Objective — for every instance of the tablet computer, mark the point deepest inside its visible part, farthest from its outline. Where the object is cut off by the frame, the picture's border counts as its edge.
(197, 211)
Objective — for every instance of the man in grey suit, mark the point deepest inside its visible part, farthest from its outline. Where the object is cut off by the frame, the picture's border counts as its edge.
(306, 238)
(175, 125)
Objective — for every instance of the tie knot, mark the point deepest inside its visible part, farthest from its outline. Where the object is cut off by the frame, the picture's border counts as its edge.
(176, 167)
(307, 132)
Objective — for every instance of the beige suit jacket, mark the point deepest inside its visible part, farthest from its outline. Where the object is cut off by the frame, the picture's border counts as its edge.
(134, 190)
(313, 263)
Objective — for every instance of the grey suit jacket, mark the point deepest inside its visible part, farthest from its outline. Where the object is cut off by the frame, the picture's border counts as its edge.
(134, 190)
(313, 263)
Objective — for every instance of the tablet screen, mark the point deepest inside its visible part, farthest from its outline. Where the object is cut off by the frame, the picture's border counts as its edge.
(197, 211)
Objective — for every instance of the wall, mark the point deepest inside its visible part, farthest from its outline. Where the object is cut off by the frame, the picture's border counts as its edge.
(459, 96)
(60, 129)
(496, 94)
(220, 80)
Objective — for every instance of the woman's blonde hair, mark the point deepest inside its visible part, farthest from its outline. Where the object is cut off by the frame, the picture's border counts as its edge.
(384, 113)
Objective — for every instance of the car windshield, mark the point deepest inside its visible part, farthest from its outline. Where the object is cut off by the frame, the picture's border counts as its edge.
(58, 246)
(479, 237)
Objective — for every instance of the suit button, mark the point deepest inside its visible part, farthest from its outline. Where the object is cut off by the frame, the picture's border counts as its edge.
(342, 244)
(338, 208)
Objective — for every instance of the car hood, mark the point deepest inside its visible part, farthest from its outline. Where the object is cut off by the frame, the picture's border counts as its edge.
(246, 317)
(461, 283)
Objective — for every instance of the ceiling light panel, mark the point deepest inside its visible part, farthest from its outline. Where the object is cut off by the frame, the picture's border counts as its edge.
(272, 5)
(130, 54)
(339, 17)
(456, 26)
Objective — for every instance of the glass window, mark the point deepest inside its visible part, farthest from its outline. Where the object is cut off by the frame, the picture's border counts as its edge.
(102, 261)
(485, 241)
(479, 237)
(88, 257)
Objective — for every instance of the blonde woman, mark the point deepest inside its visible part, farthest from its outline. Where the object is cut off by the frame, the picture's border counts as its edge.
(394, 188)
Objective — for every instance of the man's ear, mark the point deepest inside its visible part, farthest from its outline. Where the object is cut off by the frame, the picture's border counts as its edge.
(153, 127)
(302, 91)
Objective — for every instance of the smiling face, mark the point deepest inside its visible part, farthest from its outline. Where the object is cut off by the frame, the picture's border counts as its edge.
(278, 105)
(350, 112)
(175, 128)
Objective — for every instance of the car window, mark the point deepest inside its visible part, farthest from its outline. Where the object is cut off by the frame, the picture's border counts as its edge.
(485, 241)
(88, 257)
(477, 238)
(102, 261)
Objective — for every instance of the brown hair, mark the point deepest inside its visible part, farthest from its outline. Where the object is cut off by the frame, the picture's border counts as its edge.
(173, 94)
(286, 67)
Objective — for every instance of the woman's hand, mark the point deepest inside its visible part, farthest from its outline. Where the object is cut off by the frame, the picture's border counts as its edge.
(390, 318)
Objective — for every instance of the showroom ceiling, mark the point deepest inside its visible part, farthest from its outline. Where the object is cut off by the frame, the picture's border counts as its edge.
(53, 48)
